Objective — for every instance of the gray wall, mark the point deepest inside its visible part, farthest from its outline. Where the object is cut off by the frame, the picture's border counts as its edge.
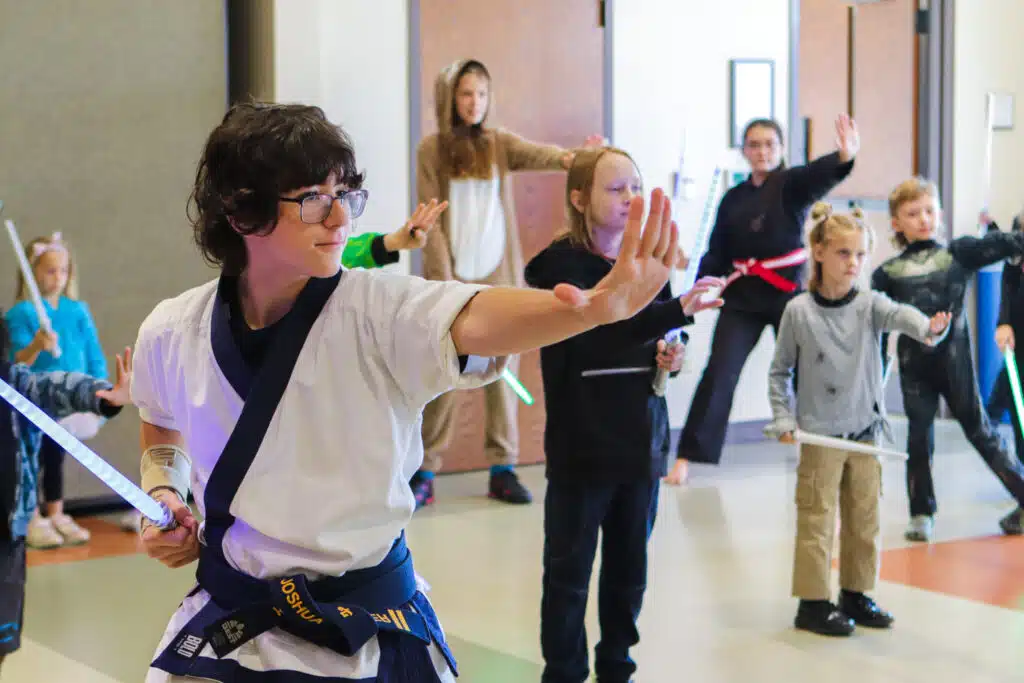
(106, 105)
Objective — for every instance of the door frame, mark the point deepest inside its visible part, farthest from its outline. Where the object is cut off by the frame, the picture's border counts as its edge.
(606, 13)
(934, 126)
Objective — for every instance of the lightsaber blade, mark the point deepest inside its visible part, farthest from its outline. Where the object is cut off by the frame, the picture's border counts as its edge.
(846, 445)
(1014, 376)
(517, 386)
(30, 281)
(155, 510)
(690, 274)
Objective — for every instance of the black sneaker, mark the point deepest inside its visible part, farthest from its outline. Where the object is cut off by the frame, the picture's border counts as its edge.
(422, 489)
(1013, 523)
(863, 610)
(823, 618)
(506, 487)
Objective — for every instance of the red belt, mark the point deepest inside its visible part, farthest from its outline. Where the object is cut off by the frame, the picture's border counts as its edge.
(765, 269)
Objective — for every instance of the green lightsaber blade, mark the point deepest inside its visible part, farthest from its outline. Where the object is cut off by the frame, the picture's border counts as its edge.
(517, 387)
(1011, 372)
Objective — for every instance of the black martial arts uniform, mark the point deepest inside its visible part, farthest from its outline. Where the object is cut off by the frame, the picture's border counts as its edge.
(758, 240)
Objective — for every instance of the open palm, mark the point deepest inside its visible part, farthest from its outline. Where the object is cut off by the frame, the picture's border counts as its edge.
(120, 394)
(847, 137)
(646, 258)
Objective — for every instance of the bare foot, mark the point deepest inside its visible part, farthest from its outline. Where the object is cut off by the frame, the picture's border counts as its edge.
(679, 474)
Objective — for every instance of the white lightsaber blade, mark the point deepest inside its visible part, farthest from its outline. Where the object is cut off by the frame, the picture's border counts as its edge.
(690, 274)
(846, 445)
(990, 113)
(159, 513)
(30, 282)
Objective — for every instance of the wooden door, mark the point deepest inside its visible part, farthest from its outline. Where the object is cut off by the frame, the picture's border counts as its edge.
(863, 62)
(546, 60)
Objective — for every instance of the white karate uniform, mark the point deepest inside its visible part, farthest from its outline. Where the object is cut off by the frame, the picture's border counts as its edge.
(328, 491)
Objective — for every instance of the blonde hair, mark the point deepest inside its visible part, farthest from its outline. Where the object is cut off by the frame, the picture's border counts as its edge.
(825, 225)
(581, 178)
(34, 251)
(907, 191)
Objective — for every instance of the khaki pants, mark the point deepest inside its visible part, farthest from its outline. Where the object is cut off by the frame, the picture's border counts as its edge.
(827, 479)
(501, 429)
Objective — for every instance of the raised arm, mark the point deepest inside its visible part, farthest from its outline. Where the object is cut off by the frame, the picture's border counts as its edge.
(526, 155)
(60, 394)
(974, 253)
(807, 184)
(889, 316)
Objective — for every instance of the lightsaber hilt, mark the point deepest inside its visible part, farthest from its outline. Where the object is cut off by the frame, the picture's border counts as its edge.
(660, 384)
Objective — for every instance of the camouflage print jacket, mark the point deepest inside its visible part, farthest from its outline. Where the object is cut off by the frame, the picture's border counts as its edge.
(59, 394)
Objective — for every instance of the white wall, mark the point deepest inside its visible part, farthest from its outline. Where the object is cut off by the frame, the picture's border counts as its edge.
(986, 58)
(671, 69)
(351, 57)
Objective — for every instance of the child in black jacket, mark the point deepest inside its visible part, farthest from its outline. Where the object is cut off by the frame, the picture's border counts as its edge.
(933, 277)
(607, 435)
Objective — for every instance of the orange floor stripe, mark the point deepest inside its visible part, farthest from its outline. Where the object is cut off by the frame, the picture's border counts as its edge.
(108, 540)
(989, 570)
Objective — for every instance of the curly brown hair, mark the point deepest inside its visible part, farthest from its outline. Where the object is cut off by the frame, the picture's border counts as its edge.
(256, 154)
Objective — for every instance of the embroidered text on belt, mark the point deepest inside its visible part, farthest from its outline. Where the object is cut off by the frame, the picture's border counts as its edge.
(765, 269)
(341, 614)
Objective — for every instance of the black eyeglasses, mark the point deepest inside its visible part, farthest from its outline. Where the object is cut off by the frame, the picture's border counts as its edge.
(315, 207)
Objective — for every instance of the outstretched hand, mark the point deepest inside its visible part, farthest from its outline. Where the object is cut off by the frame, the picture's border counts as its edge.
(120, 394)
(693, 301)
(413, 235)
(847, 137)
(939, 323)
(648, 255)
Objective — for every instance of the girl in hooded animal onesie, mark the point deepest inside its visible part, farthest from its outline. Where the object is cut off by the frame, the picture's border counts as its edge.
(468, 163)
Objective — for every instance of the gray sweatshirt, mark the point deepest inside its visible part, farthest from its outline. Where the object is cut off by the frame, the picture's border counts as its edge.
(835, 346)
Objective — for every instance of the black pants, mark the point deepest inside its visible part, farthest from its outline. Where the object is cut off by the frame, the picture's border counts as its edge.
(948, 373)
(51, 461)
(573, 513)
(736, 335)
(12, 594)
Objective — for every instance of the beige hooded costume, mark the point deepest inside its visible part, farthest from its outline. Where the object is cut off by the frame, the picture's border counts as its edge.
(467, 246)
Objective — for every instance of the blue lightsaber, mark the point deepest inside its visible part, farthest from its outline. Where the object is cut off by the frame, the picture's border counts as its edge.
(155, 510)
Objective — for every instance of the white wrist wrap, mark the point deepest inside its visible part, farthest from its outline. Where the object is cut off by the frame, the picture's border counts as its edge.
(166, 466)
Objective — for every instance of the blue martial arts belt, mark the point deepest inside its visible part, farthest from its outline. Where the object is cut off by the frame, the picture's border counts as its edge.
(341, 613)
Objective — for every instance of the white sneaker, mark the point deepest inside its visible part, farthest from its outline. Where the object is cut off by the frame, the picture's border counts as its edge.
(42, 535)
(72, 533)
(920, 529)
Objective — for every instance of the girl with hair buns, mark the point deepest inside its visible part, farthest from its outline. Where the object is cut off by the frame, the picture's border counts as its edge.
(830, 336)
